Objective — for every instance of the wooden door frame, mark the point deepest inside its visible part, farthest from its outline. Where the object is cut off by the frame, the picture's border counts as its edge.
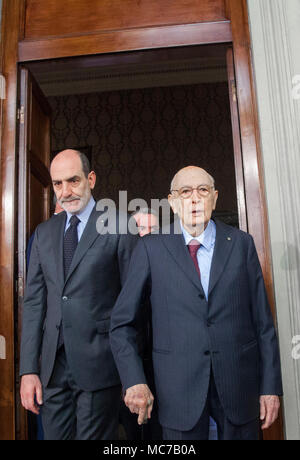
(29, 163)
(8, 179)
(14, 50)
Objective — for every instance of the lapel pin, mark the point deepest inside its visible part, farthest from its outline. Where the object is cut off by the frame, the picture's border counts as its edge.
(228, 238)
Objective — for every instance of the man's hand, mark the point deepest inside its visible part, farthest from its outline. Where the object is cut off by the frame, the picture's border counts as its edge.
(31, 393)
(269, 407)
(139, 400)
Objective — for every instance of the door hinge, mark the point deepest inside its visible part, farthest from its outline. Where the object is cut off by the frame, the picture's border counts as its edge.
(21, 114)
(2, 87)
(233, 91)
(2, 347)
(20, 287)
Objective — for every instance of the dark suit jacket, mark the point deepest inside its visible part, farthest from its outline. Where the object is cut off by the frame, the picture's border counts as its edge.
(83, 302)
(233, 332)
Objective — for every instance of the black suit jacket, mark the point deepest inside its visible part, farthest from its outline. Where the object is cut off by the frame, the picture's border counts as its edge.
(82, 303)
(232, 332)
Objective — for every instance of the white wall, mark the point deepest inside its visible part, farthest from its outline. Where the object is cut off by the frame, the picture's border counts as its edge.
(275, 36)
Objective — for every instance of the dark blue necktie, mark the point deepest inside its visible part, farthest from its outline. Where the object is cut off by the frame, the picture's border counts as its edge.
(70, 243)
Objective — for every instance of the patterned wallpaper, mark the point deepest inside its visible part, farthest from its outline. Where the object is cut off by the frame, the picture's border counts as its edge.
(139, 138)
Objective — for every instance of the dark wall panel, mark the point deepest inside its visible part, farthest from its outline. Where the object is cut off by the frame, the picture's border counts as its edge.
(138, 139)
(68, 17)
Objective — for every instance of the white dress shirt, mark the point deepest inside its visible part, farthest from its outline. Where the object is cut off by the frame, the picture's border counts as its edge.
(83, 216)
(207, 240)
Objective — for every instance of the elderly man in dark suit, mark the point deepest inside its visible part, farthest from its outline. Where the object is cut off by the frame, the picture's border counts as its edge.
(215, 350)
(74, 278)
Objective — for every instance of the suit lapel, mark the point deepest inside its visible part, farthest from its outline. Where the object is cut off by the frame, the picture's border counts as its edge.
(223, 247)
(176, 246)
(89, 235)
(57, 235)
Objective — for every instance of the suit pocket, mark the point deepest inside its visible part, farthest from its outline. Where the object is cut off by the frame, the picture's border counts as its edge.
(158, 350)
(249, 345)
(93, 252)
(103, 326)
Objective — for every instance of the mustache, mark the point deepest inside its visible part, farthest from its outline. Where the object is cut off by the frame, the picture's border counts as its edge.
(68, 200)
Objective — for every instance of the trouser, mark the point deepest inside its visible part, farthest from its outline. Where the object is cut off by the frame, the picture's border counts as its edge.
(226, 430)
(71, 413)
(133, 431)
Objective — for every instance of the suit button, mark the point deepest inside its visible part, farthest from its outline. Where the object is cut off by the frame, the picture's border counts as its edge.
(207, 353)
(202, 296)
(65, 298)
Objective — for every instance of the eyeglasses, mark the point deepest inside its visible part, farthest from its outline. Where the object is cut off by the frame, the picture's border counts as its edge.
(186, 192)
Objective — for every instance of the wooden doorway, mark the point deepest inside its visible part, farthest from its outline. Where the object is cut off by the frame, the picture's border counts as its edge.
(176, 112)
(34, 191)
(34, 31)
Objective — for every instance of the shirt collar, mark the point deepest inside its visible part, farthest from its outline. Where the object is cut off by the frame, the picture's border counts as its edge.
(85, 213)
(206, 238)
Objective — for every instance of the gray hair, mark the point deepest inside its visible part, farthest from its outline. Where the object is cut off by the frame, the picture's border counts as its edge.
(86, 167)
(145, 211)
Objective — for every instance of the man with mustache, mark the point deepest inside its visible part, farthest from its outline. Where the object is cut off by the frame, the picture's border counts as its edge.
(75, 275)
(215, 350)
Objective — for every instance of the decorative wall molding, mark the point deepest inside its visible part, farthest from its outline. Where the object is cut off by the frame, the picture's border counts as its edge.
(117, 78)
(273, 41)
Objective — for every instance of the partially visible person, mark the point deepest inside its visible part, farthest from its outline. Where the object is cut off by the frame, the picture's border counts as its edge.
(146, 220)
(75, 274)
